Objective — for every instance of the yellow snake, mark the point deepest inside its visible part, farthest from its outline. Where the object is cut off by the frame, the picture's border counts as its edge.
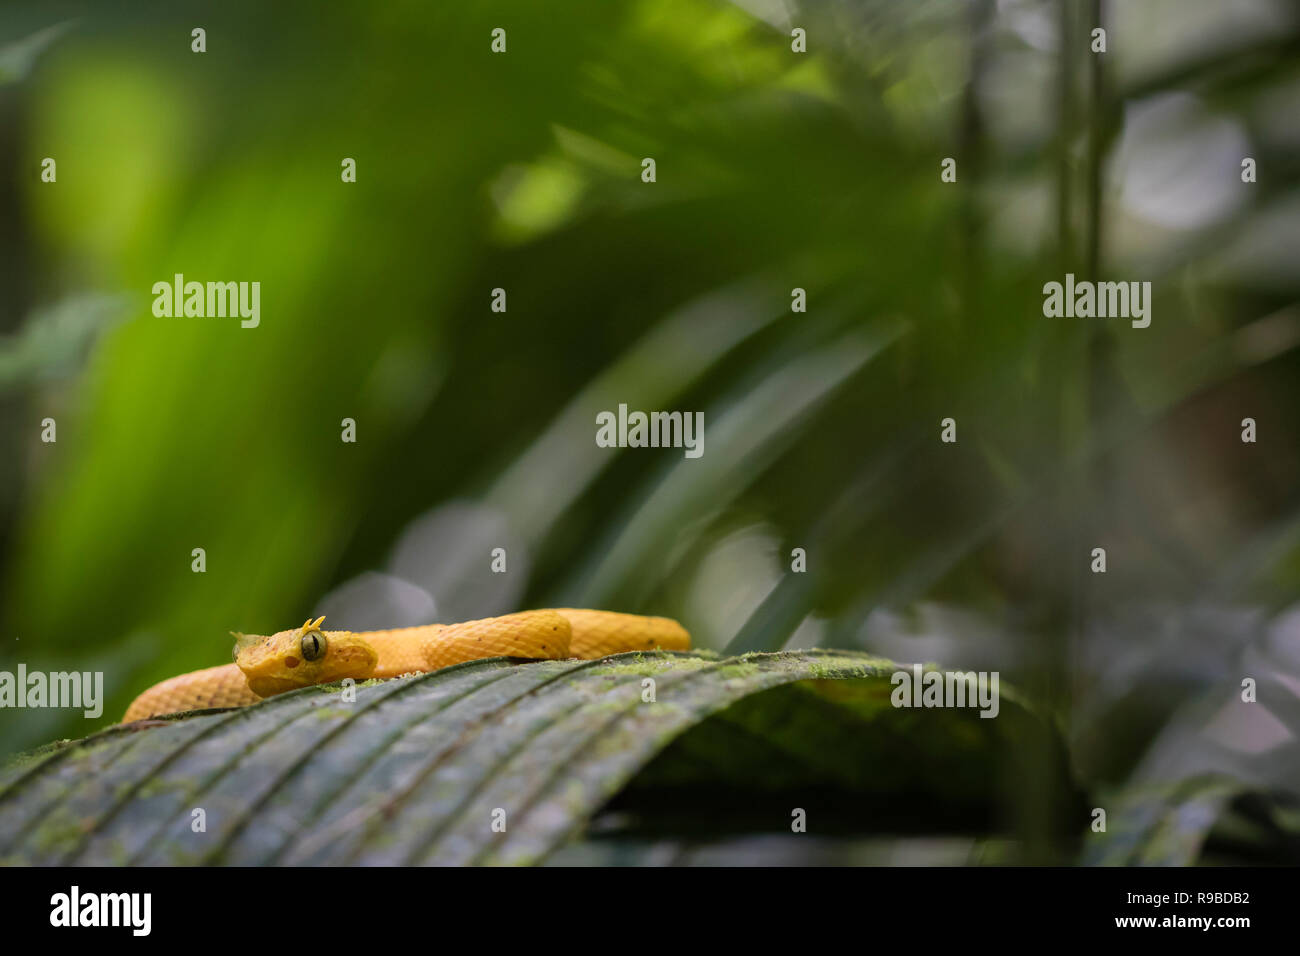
(309, 655)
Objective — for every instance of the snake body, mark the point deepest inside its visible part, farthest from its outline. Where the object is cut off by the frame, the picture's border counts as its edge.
(308, 655)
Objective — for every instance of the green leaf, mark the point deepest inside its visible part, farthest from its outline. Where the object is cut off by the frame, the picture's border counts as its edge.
(1206, 819)
(416, 769)
(18, 58)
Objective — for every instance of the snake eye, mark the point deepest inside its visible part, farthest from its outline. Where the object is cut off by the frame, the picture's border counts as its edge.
(313, 646)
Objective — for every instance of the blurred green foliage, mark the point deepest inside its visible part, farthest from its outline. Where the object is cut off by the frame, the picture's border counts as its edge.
(775, 170)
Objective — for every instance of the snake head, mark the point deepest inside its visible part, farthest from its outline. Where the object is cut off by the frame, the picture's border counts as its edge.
(301, 657)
